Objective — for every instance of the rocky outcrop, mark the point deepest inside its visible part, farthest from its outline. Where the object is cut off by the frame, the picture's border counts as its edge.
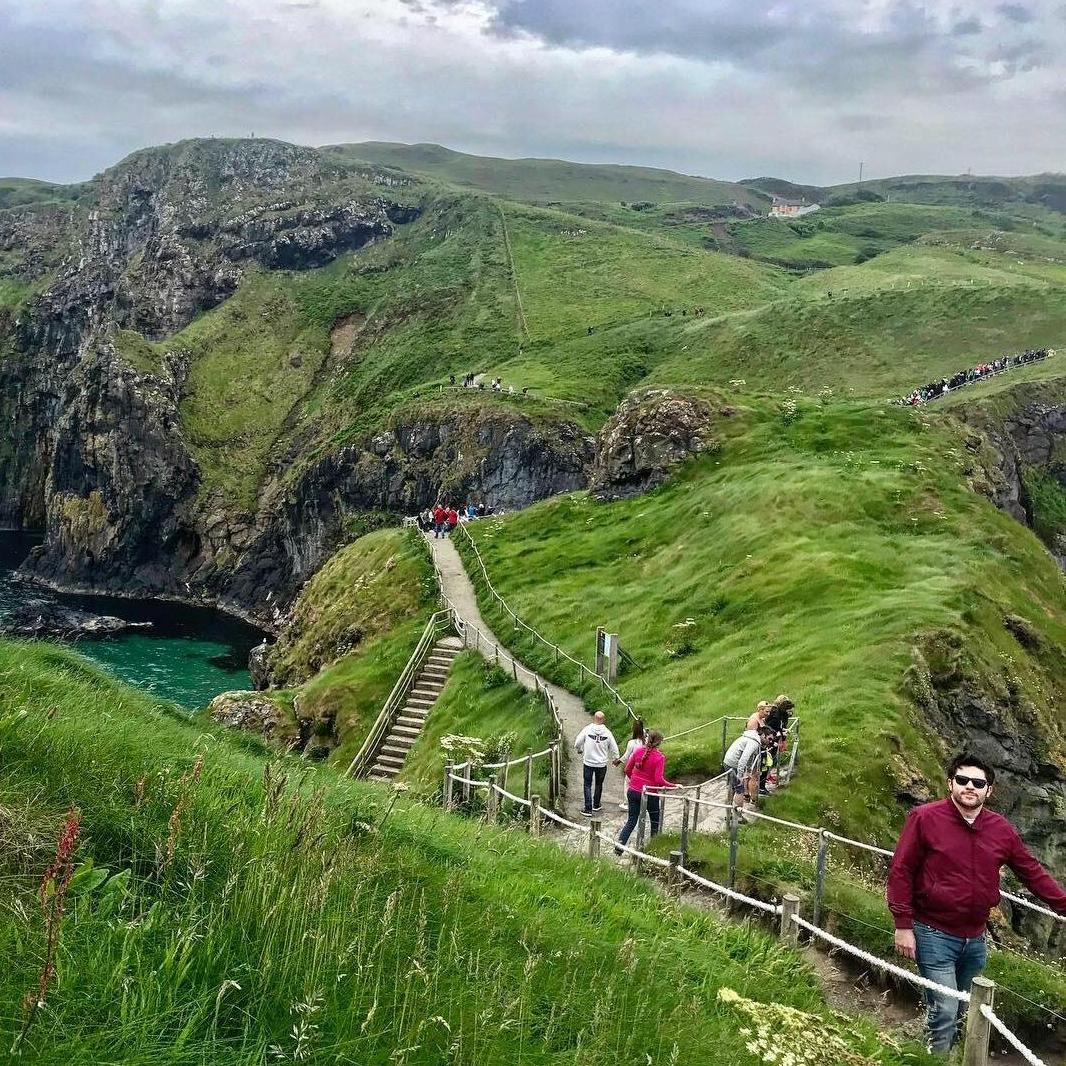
(649, 434)
(45, 619)
(1020, 432)
(495, 456)
(255, 713)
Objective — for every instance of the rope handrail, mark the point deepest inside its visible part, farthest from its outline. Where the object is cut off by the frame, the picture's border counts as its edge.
(564, 821)
(635, 852)
(500, 791)
(873, 960)
(472, 783)
(731, 893)
(516, 762)
(1026, 1053)
(783, 821)
(1032, 906)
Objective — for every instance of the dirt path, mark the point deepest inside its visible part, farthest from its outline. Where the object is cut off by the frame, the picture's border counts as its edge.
(575, 715)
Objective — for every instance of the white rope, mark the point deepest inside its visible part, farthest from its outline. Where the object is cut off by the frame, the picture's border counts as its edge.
(694, 729)
(1011, 1039)
(873, 960)
(511, 796)
(859, 844)
(653, 859)
(710, 803)
(516, 762)
(751, 901)
(782, 821)
(468, 781)
(1032, 906)
(563, 821)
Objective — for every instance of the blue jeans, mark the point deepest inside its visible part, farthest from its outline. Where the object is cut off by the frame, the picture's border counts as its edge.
(953, 961)
(593, 775)
(654, 815)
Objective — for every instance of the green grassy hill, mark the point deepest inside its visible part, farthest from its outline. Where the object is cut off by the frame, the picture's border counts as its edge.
(547, 180)
(818, 552)
(234, 909)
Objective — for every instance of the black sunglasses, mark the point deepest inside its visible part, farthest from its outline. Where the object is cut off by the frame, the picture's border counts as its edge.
(963, 781)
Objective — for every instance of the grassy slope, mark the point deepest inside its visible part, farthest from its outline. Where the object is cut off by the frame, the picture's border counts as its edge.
(808, 555)
(258, 913)
(542, 180)
(353, 628)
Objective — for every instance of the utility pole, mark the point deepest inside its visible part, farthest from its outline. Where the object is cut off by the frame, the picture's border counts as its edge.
(861, 164)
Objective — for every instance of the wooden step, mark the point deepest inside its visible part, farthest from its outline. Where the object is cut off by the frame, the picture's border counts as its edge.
(434, 671)
(410, 731)
(389, 760)
(383, 773)
(395, 750)
(411, 721)
(419, 703)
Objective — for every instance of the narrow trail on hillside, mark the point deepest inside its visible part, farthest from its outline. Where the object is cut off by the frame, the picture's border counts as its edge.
(459, 590)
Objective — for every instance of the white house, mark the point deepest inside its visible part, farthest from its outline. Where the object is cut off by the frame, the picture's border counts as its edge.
(785, 208)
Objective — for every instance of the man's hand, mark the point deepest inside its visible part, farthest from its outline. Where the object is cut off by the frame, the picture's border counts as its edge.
(905, 943)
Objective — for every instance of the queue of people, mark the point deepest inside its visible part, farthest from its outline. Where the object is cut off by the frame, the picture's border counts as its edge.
(935, 389)
(442, 518)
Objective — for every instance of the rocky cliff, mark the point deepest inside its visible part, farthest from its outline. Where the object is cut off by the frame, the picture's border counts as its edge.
(97, 454)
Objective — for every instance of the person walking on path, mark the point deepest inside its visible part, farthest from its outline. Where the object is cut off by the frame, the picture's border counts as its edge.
(944, 881)
(597, 747)
(644, 770)
(742, 757)
(636, 741)
(440, 518)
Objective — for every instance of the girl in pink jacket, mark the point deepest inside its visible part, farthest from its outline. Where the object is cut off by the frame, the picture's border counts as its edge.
(644, 770)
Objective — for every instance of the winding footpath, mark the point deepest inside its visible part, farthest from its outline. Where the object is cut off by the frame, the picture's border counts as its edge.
(459, 590)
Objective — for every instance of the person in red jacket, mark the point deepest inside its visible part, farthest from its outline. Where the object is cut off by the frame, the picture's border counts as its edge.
(440, 519)
(944, 881)
(452, 520)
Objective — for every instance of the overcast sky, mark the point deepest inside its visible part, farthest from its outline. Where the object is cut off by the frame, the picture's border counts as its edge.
(803, 89)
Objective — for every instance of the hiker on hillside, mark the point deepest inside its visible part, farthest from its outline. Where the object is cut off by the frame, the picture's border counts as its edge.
(742, 757)
(440, 520)
(777, 721)
(635, 741)
(944, 881)
(451, 520)
(597, 747)
(759, 716)
(644, 770)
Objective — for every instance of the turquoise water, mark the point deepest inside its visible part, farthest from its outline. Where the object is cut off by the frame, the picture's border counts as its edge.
(189, 656)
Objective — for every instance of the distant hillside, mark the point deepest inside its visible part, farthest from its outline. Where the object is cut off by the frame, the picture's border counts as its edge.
(14, 192)
(549, 180)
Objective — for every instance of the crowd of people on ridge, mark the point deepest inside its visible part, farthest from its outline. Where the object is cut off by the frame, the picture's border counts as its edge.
(470, 382)
(935, 389)
(442, 518)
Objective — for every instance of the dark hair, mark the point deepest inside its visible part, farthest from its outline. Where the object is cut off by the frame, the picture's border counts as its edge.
(638, 729)
(969, 759)
(651, 742)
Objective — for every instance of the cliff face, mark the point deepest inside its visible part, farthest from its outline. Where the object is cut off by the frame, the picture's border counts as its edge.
(1023, 436)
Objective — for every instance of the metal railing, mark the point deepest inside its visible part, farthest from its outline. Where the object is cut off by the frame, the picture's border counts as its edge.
(439, 624)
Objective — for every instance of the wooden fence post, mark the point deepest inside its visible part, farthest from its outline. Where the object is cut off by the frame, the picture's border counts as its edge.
(642, 829)
(553, 792)
(491, 800)
(534, 815)
(725, 728)
(734, 826)
(595, 828)
(789, 929)
(978, 1027)
(674, 883)
(448, 804)
(698, 809)
(528, 791)
(819, 875)
(686, 808)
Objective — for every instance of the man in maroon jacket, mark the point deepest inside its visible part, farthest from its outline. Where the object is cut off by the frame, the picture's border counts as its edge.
(944, 882)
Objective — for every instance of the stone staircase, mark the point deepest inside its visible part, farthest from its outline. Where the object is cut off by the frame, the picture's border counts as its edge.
(407, 726)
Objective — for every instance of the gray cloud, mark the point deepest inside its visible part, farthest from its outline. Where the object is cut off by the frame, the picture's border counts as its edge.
(719, 87)
(1015, 12)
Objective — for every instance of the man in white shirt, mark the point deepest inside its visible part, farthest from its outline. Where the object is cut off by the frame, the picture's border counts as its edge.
(743, 759)
(597, 747)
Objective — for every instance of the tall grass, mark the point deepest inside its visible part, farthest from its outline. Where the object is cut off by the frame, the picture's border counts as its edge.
(279, 916)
